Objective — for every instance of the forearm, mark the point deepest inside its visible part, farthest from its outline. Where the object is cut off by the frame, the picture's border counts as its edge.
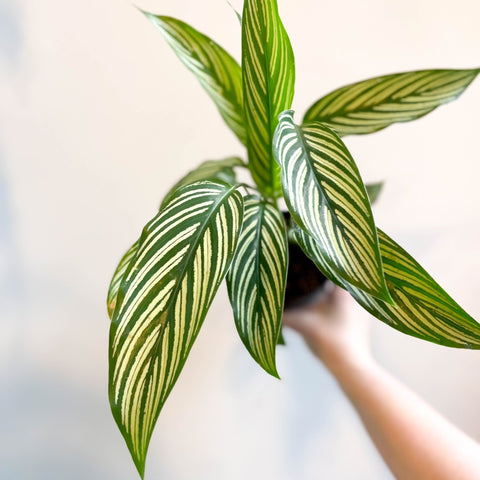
(414, 440)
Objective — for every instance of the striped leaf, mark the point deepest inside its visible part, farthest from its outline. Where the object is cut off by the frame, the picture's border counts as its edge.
(422, 308)
(371, 105)
(236, 12)
(256, 280)
(216, 70)
(268, 70)
(183, 255)
(312, 250)
(212, 170)
(327, 198)
(118, 277)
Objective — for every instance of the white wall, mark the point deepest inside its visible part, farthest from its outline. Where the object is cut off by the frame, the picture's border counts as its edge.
(98, 119)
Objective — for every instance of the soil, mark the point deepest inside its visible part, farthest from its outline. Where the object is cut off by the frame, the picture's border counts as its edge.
(305, 283)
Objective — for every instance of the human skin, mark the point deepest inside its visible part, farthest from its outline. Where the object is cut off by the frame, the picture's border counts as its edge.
(415, 441)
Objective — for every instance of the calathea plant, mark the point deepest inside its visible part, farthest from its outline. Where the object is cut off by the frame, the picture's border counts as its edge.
(210, 227)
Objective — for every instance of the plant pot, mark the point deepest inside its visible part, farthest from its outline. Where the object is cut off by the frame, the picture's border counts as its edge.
(306, 284)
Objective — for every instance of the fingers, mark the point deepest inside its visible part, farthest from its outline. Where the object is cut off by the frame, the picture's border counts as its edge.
(288, 318)
(303, 319)
(297, 319)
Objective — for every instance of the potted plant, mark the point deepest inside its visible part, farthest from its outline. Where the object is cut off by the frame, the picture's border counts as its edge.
(210, 226)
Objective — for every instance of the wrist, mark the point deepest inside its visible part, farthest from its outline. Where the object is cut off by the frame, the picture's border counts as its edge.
(344, 366)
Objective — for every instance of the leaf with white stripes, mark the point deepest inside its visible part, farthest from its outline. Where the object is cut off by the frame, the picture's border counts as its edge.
(376, 103)
(117, 278)
(216, 70)
(183, 255)
(256, 280)
(422, 308)
(327, 198)
(212, 170)
(268, 69)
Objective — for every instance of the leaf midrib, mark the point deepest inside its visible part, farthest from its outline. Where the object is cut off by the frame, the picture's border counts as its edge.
(258, 241)
(304, 146)
(268, 101)
(185, 262)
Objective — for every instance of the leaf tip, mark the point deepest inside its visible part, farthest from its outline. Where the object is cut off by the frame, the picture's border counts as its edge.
(268, 364)
(139, 456)
(272, 371)
(286, 115)
(385, 295)
(140, 465)
(380, 291)
(235, 11)
(141, 10)
(155, 19)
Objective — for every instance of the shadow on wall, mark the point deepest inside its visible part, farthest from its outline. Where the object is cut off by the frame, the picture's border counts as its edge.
(11, 47)
(63, 432)
(7, 243)
(11, 34)
(306, 397)
(11, 284)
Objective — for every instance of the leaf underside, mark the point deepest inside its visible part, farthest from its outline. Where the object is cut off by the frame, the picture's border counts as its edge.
(422, 308)
(268, 71)
(374, 104)
(327, 198)
(183, 254)
(256, 280)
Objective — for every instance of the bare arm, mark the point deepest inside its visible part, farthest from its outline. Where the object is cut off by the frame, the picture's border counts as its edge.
(414, 440)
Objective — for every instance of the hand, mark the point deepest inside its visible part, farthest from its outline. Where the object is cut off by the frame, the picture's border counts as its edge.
(335, 329)
(414, 440)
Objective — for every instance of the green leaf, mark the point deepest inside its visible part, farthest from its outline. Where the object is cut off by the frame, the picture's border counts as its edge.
(327, 198)
(256, 280)
(237, 14)
(374, 104)
(373, 191)
(183, 254)
(422, 308)
(218, 73)
(212, 170)
(312, 250)
(117, 278)
(268, 69)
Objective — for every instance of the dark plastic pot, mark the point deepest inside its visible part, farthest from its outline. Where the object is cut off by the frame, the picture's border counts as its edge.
(305, 283)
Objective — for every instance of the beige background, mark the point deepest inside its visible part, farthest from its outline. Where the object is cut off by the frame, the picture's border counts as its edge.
(98, 119)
